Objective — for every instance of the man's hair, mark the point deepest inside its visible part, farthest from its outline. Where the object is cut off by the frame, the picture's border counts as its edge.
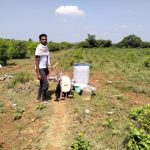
(41, 35)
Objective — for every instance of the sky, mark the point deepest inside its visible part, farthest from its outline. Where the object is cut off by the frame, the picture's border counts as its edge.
(71, 20)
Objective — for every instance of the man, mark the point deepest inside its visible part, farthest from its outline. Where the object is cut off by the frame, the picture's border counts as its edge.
(42, 61)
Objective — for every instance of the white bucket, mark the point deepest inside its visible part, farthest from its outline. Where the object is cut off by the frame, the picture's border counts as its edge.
(81, 73)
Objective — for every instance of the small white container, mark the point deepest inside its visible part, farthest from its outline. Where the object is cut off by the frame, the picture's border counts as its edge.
(81, 73)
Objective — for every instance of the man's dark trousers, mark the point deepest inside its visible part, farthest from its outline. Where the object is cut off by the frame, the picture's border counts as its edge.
(43, 83)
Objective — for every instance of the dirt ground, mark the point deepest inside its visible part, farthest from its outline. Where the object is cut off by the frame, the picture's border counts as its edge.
(48, 130)
(33, 131)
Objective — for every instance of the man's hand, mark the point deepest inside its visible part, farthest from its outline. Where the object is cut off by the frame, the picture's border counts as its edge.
(38, 76)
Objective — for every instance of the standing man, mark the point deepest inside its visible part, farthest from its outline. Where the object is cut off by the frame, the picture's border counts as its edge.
(42, 61)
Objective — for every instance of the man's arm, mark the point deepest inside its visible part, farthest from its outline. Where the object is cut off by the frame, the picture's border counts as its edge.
(37, 59)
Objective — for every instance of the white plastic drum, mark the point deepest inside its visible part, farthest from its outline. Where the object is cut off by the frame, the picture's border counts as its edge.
(81, 73)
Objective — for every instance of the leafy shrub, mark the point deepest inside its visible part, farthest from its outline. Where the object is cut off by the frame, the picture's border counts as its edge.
(131, 41)
(19, 50)
(65, 45)
(108, 123)
(147, 62)
(31, 47)
(80, 143)
(91, 40)
(145, 45)
(40, 107)
(54, 46)
(138, 136)
(2, 110)
(3, 53)
(18, 114)
(103, 43)
(84, 44)
(21, 77)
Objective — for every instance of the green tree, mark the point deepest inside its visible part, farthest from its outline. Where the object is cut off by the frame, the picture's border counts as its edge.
(3, 53)
(131, 41)
(103, 43)
(19, 50)
(52, 46)
(31, 47)
(65, 45)
(91, 40)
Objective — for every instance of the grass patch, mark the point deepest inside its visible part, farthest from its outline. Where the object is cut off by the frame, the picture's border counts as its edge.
(21, 77)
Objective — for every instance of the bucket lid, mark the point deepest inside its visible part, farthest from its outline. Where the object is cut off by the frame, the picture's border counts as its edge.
(81, 64)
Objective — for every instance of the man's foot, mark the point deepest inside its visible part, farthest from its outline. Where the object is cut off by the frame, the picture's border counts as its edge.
(62, 98)
(57, 99)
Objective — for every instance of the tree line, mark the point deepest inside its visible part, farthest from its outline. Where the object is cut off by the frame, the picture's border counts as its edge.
(131, 41)
(16, 49)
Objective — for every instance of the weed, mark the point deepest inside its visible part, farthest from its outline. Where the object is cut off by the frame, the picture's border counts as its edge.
(2, 110)
(40, 107)
(108, 123)
(80, 143)
(147, 62)
(22, 78)
(18, 113)
(76, 110)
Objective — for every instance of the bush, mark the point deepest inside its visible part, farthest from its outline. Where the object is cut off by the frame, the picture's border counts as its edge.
(18, 114)
(19, 50)
(65, 45)
(31, 47)
(131, 41)
(103, 43)
(2, 110)
(21, 77)
(40, 107)
(145, 45)
(80, 143)
(138, 136)
(147, 62)
(3, 53)
(84, 44)
(54, 46)
(91, 40)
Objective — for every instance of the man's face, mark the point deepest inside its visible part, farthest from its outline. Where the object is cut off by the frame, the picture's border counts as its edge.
(43, 40)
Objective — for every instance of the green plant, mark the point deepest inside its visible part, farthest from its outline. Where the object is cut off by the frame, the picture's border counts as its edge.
(91, 39)
(2, 110)
(108, 123)
(131, 41)
(19, 50)
(18, 113)
(103, 43)
(40, 107)
(80, 143)
(21, 77)
(147, 62)
(138, 136)
(3, 53)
